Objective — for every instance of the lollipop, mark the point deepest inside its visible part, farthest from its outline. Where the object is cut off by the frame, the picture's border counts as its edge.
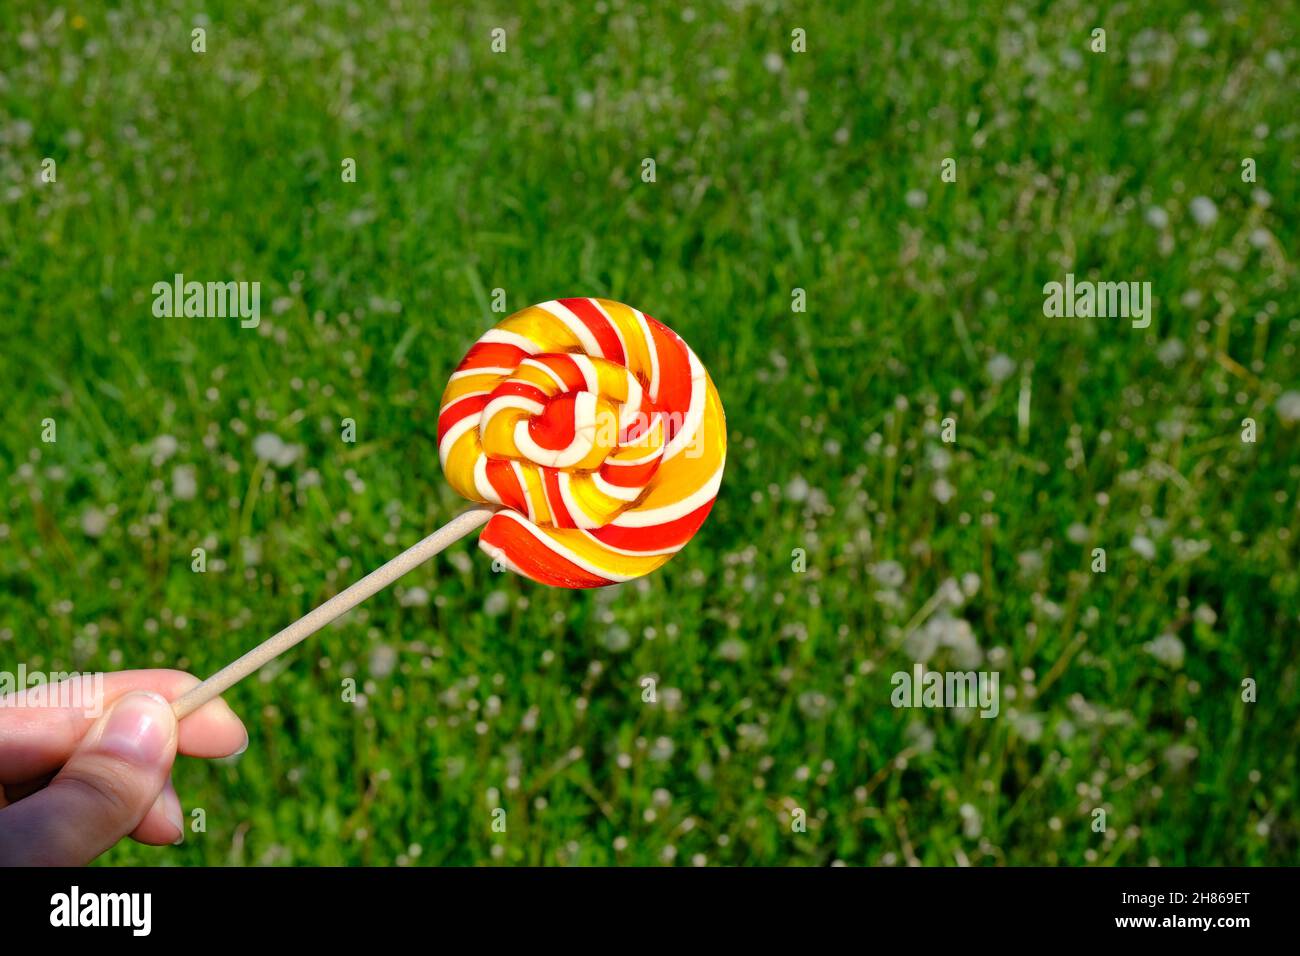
(590, 438)
(597, 431)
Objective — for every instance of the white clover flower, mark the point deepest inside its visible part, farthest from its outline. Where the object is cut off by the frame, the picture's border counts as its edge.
(1288, 407)
(1180, 756)
(1204, 211)
(94, 523)
(1028, 726)
(814, 704)
(164, 446)
(956, 634)
(496, 604)
(951, 593)
(732, 649)
(1030, 562)
(662, 749)
(1000, 368)
(1167, 649)
(414, 597)
(919, 737)
(271, 448)
(383, 660)
(184, 483)
(616, 639)
(889, 573)
(1171, 352)
(921, 644)
(1144, 546)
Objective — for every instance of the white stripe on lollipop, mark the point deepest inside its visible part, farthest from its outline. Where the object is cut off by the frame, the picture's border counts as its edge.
(653, 352)
(503, 402)
(481, 482)
(550, 372)
(564, 552)
(502, 337)
(694, 414)
(523, 489)
(670, 549)
(485, 370)
(636, 518)
(622, 343)
(574, 325)
(632, 407)
(617, 492)
(452, 435)
(588, 369)
(571, 505)
(584, 437)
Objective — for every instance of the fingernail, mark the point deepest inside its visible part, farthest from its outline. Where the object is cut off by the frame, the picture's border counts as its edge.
(243, 746)
(172, 805)
(139, 729)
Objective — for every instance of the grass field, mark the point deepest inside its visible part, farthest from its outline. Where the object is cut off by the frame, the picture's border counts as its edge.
(774, 171)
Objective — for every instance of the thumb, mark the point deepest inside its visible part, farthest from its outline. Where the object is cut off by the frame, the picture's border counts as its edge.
(102, 793)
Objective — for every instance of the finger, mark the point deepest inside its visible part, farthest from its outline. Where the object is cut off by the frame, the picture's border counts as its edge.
(38, 739)
(165, 822)
(17, 791)
(102, 793)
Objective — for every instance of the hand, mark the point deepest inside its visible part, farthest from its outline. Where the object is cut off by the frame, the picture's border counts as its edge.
(72, 785)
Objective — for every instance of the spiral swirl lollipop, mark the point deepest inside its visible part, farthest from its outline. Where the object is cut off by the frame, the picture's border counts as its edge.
(598, 433)
(592, 441)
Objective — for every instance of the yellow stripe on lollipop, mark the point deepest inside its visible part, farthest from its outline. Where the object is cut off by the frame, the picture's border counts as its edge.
(538, 325)
(599, 558)
(697, 463)
(470, 385)
(535, 490)
(459, 467)
(633, 334)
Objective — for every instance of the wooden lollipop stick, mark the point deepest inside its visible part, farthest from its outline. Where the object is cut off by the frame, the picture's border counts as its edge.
(339, 604)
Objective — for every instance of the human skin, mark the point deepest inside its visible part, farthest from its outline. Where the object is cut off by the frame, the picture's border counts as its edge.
(74, 780)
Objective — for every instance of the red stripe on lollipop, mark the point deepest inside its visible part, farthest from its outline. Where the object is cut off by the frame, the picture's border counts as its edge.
(504, 535)
(629, 476)
(492, 355)
(656, 537)
(605, 334)
(560, 516)
(505, 482)
(565, 369)
(458, 411)
(554, 427)
(674, 376)
(521, 389)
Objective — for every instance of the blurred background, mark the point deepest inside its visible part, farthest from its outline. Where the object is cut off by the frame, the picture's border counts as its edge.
(775, 170)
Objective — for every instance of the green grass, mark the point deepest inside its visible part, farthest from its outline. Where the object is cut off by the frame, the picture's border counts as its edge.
(775, 170)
